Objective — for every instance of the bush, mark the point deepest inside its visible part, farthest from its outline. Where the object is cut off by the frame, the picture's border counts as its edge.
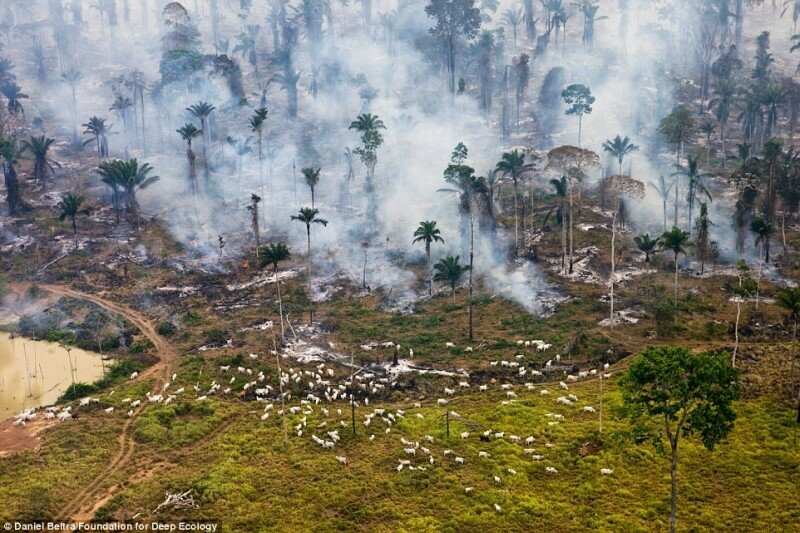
(77, 390)
(166, 328)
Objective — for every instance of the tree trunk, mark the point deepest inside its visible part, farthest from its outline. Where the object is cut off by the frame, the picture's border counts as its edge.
(613, 260)
(673, 475)
(280, 302)
(676, 289)
(516, 221)
(471, 264)
(736, 332)
(571, 240)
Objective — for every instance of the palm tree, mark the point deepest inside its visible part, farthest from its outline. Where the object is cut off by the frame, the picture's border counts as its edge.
(789, 299)
(8, 158)
(311, 175)
(647, 245)
(125, 178)
(513, 18)
(448, 270)
(201, 111)
(13, 94)
(663, 192)
(708, 127)
(696, 180)
(560, 189)
(241, 148)
(512, 164)
(257, 120)
(187, 133)
(428, 233)
(287, 76)
(724, 96)
(619, 148)
(121, 106)
(98, 131)
(42, 164)
(70, 207)
(272, 254)
(247, 46)
(764, 232)
(71, 77)
(677, 242)
(308, 216)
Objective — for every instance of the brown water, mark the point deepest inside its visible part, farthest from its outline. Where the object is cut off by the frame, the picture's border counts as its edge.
(36, 373)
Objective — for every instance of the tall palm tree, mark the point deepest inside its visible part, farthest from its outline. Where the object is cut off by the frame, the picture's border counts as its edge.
(764, 232)
(675, 241)
(189, 132)
(619, 148)
(722, 101)
(42, 164)
(696, 179)
(287, 76)
(663, 192)
(257, 120)
(202, 110)
(70, 207)
(308, 216)
(513, 18)
(247, 46)
(560, 189)
(311, 176)
(273, 254)
(121, 105)
(72, 76)
(241, 148)
(98, 132)
(428, 233)
(8, 158)
(449, 270)
(708, 128)
(512, 165)
(110, 176)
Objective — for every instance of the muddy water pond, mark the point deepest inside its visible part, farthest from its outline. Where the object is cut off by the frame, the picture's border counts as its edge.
(36, 373)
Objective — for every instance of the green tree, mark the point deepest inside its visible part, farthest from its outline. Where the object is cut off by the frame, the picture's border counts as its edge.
(619, 148)
(454, 19)
(70, 206)
(696, 183)
(579, 99)
(512, 165)
(42, 164)
(722, 101)
(201, 111)
(428, 233)
(647, 245)
(273, 254)
(449, 270)
(675, 241)
(669, 393)
(121, 106)
(8, 159)
(308, 216)
(125, 178)
(72, 76)
(663, 192)
(677, 128)
(98, 132)
(702, 239)
(311, 177)
(189, 132)
(257, 120)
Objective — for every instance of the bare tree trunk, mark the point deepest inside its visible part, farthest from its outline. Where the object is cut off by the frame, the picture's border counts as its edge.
(673, 475)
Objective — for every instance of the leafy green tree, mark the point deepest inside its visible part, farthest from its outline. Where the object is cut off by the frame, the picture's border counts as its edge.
(454, 19)
(72, 76)
(579, 99)
(70, 206)
(722, 101)
(677, 129)
(188, 133)
(675, 241)
(647, 245)
(428, 233)
(512, 165)
(370, 127)
(42, 164)
(201, 111)
(696, 183)
(449, 270)
(8, 158)
(619, 148)
(669, 393)
(14, 96)
(308, 216)
(125, 178)
(311, 177)
(273, 254)
(98, 131)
